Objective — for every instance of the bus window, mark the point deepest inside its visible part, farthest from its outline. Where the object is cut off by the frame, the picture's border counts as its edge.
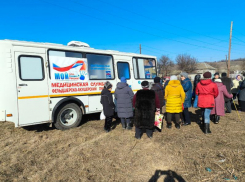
(100, 67)
(123, 70)
(135, 68)
(65, 54)
(146, 68)
(31, 68)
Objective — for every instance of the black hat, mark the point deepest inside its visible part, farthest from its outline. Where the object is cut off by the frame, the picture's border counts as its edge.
(145, 84)
(108, 85)
(223, 74)
(157, 80)
(217, 73)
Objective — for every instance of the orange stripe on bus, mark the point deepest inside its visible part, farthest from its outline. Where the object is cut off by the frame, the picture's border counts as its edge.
(33, 97)
(63, 95)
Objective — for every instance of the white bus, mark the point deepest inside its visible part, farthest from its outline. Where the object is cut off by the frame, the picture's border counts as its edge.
(58, 84)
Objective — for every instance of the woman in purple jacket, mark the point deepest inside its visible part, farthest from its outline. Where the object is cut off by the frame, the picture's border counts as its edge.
(219, 109)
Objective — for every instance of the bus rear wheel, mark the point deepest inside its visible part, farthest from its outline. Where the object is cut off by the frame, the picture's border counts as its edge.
(68, 116)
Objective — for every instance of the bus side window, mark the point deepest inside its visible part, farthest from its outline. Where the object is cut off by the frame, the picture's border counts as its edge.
(144, 68)
(31, 68)
(123, 70)
(100, 67)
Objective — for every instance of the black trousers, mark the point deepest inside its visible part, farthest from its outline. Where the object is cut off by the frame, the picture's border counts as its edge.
(228, 106)
(186, 116)
(108, 122)
(242, 104)
(176, 115)
(139, 132)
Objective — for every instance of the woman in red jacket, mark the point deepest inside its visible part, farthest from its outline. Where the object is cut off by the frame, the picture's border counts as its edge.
(206, 91)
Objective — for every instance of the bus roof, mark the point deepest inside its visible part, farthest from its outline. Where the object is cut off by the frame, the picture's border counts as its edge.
(70, 48)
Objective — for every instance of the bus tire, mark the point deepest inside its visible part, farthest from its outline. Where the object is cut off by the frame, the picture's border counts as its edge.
(69, 115)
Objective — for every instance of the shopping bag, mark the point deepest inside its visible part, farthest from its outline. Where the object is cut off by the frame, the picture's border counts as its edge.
(102, 116)
(158, 121)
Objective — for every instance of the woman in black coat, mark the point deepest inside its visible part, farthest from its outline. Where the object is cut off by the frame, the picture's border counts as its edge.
(108, 105)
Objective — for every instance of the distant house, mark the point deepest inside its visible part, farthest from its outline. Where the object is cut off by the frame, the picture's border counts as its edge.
(202, 68)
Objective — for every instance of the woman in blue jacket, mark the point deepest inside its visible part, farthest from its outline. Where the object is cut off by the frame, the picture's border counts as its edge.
(187, 86)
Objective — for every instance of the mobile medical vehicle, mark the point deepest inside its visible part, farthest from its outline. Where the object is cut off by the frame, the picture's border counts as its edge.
(58, 84)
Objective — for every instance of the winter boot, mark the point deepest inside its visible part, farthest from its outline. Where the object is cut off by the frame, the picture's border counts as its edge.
(129, 127)
(123, 125)
(213, 118)
(217, 119)
(169, 125)
(207, 128)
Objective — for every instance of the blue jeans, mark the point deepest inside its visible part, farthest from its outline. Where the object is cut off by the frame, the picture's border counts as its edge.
(206, 114)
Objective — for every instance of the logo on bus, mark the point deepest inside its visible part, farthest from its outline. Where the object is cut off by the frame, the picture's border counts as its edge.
(67, 73)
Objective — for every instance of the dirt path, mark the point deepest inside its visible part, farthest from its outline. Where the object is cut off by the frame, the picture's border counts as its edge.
(87, 153)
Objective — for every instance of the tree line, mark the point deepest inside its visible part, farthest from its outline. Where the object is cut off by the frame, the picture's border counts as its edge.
(184, 62)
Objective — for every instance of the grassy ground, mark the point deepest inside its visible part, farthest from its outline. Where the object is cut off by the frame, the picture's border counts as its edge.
(87, 153)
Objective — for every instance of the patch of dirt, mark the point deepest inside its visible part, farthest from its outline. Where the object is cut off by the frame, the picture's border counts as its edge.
(87, 153)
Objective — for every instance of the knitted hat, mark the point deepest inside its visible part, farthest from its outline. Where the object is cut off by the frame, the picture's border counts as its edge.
(217, 73)
(173, 77)
(218, 80)
(145, 84)
(223, 74)
(237, 76)
(108, 85)
(157, 80)
(207, 74)
(184, 74)
(123, 79)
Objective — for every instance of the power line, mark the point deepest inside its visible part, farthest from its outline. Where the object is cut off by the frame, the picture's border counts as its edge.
(159, 21)
(239, 39)
(128, 27)
(144, 24)
(239, 32)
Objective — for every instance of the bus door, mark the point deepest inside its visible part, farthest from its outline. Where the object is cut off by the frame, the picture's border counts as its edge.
(32, 88)
(123, 70)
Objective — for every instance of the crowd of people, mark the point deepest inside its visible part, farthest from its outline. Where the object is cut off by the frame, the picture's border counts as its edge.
(214, 97)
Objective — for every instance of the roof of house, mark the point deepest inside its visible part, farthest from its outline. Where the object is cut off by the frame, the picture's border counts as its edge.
(204, 66)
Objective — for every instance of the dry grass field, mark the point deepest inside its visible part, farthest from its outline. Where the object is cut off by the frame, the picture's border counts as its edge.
(87, 153)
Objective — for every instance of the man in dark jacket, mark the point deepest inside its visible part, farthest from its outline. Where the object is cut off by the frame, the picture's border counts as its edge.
(108, 105)
(124, 96)
(146, 103)
(187, 86)
(228, 83)
(158, 89)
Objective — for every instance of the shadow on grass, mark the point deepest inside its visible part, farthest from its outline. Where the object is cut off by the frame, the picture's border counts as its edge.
(170, 176)
(46, 127)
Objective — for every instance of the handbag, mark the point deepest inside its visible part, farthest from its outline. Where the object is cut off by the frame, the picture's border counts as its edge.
(158, 121)
(102, 115)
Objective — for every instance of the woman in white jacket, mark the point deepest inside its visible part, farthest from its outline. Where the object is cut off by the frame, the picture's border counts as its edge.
(236, 84)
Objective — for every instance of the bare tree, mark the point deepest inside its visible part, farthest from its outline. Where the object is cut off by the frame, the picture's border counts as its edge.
(165, 65)
(186, 63)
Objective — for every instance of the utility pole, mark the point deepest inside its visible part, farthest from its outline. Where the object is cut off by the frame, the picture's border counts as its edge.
(229, 55)
(226, 61)
(140, 48)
